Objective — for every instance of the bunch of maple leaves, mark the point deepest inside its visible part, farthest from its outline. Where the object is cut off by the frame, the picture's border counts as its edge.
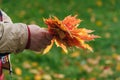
(67, 34)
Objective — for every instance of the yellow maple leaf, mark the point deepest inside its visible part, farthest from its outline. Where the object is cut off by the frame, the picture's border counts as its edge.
(48, 47)
(18, 71)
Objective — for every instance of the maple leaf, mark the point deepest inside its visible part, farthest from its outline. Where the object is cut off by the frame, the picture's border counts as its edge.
(66, 34)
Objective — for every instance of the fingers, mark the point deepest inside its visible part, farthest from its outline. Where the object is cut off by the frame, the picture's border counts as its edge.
(46, 39)
(49, 36)
(40, 38)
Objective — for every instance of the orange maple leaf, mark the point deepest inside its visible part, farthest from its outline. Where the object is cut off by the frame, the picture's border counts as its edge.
(66, 34)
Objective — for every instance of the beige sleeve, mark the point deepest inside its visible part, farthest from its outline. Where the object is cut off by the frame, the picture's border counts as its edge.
(13, 37)
(6, 18)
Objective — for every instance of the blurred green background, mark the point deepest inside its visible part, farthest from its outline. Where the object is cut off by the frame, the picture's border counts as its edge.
(103, 16)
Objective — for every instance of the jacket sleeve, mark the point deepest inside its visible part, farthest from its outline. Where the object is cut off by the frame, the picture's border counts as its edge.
(6, 18)
(13, 37)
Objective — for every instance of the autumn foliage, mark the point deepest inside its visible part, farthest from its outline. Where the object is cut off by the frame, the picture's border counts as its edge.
(67, 34)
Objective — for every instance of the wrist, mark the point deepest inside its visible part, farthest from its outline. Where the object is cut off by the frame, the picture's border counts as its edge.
(29, 39)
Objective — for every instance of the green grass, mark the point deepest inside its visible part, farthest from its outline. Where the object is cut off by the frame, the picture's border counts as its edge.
(103, 16)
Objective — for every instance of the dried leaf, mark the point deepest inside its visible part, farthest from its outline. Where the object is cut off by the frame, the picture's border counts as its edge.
(75, 54)
(59, 76)
(47, 77)
(34, 64)
(99, 3)
(118, 67)
(37, 77)
(26, 65)
(93, 78)
(99, 23)
(34, 71)
(48, 48)
(18, 71)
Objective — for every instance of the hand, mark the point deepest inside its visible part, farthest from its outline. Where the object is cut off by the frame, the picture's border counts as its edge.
(40, 38)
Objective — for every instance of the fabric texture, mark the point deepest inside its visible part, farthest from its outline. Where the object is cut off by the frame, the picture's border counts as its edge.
(13, 36)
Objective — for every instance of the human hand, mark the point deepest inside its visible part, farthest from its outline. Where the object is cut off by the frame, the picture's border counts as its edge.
(40, 38)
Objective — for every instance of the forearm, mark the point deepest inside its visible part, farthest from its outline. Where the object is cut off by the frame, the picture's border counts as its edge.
(13, 37)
